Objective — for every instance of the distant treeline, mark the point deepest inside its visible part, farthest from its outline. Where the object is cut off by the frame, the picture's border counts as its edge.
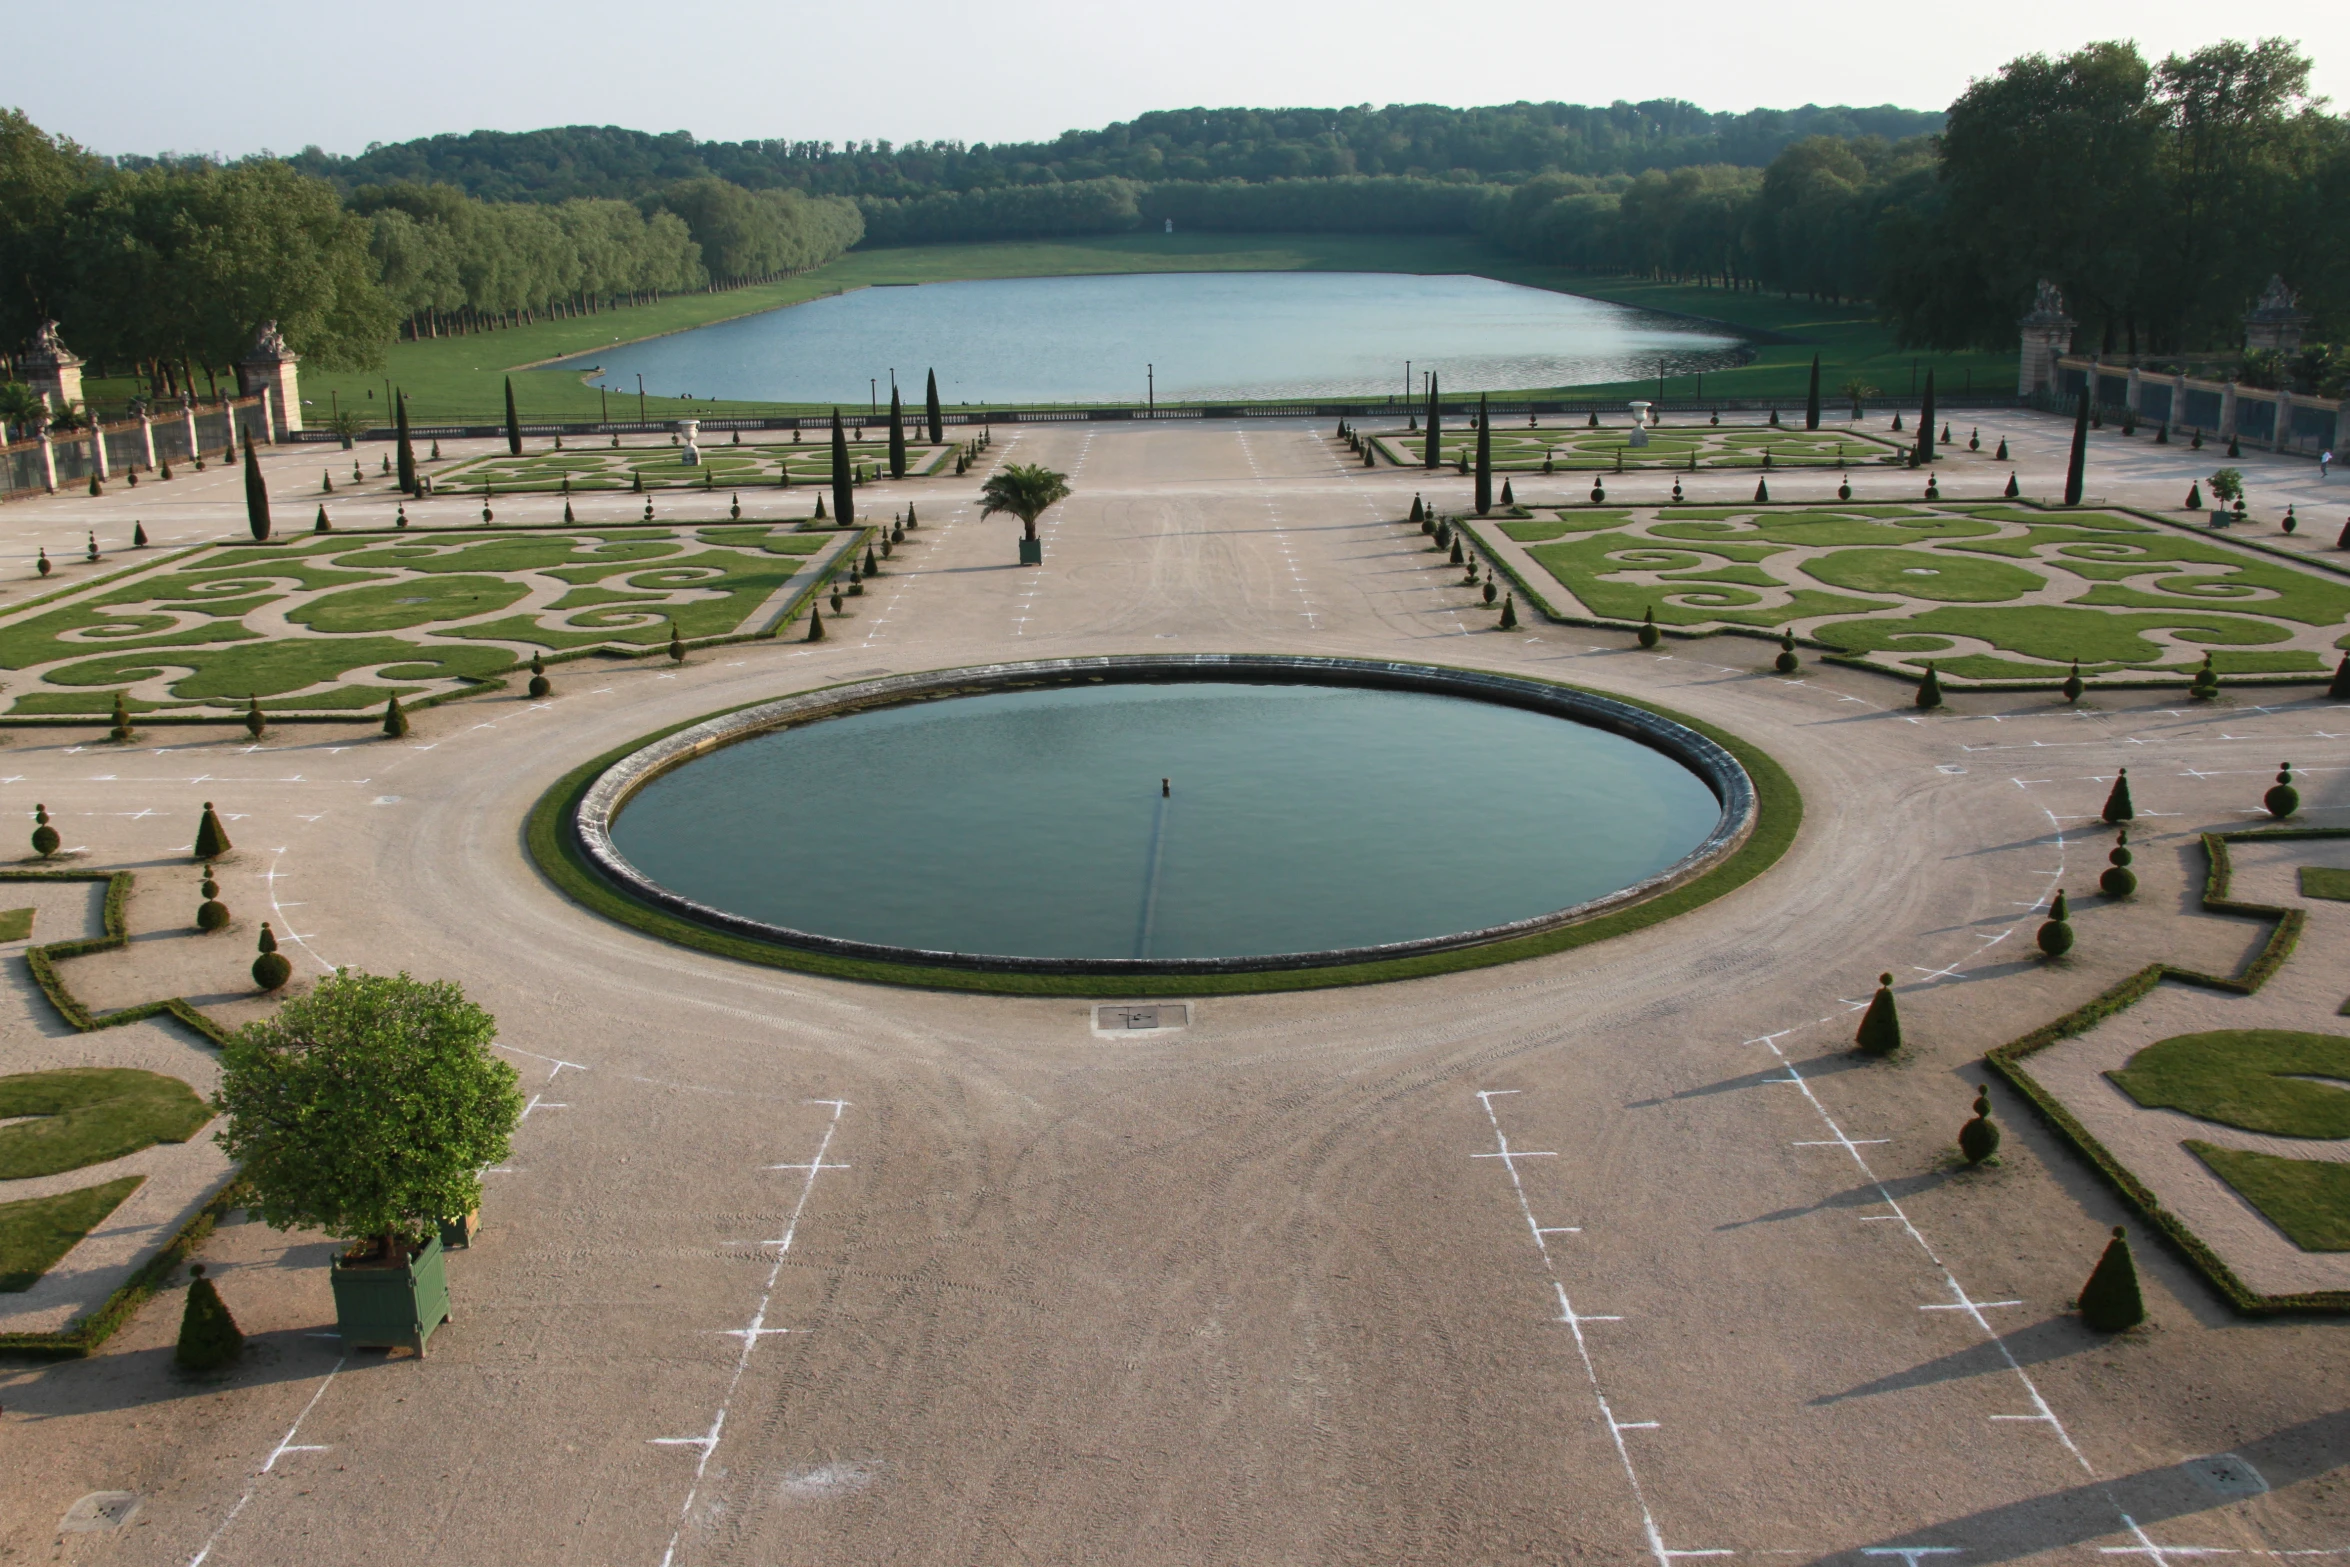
(449, 263)
(1503, 143)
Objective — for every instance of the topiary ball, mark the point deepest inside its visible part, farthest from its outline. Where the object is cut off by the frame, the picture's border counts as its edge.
(1979, 1138)
(2118, 881)
(211, 914)
(2282, 799)
(271, 971)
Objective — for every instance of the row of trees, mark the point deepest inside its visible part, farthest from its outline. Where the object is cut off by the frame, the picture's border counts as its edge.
(448, 262)
(1503, 143)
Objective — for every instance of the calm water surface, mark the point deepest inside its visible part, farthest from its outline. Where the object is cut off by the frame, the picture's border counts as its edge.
(1210, 335)
(1302, 818)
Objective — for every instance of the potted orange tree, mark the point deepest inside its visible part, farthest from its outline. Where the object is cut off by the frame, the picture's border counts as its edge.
(368, 1108)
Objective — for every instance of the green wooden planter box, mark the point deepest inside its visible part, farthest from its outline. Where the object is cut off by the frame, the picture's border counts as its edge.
(457, 1234)
(1032, 552)
(377, 1308)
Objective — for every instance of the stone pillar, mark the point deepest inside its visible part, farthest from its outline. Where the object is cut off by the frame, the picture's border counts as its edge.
(188, 417)
(48, 460)
(2131, 398)
(269, 425)
(2280, 434)
(51, 368)
(2047, 333)
(98, 450)
(269, 372)
(147, 437)
(2178, 399)
(2227, 411)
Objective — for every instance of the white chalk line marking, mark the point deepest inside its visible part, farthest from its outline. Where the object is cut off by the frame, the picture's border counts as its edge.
(286, 1444)
(1663, 1555)
(757, 1328)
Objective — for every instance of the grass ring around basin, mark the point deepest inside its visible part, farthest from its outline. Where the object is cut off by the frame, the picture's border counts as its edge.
(567, 835)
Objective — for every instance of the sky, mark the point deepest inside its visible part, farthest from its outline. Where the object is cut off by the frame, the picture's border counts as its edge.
(270, 75)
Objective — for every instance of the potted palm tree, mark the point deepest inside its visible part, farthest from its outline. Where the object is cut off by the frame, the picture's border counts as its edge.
(368, 1108)
(1027, 491)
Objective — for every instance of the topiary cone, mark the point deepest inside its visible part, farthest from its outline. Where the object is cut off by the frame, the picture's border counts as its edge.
(2110, 1301)
(211, 838)
(2056, 935)
(255, 723)
(44, 835)
(2073, 686)
(2340, 689)
(2195, 495)
(1509, 613)
(1880, 1026)
(815, 623)
(2282, 799)
(2119, 881)
(211, 914)
(676, 644)
(138, 535)
(1979, 1138)
(321, 525)
(1762, 487)
(1420, 513)
(1649, 635)
(540, 685)
(1930, 689)
(395, 719)
(2013, 489)
(209, 1338)
(2117, 800)
(1786, 663)
(271, 970)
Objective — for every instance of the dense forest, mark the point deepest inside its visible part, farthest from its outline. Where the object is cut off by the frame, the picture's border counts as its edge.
(2158, 195)
(1501, 144)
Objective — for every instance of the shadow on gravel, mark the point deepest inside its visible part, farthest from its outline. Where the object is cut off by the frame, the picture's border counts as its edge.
(2152, 1498)
(2052, 1338)
(1869, 1194)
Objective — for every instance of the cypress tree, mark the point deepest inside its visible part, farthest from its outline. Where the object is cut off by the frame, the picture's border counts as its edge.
(122, 720)
(211, 838)
(2340, 689)
(272, 969)
(256, 495)
(1930, 689)
(2076, 467)
(255, 724)
(844, 504)
(1811, 399)
(209, 1337)
(930, 410)
(2110, 1301)
(1979, 1138)
(2118, 807)
(2118, 880)
(2282, 799)
(406, 447)
(1786, 663)
(211, 914)
(1434, 452)
(1879, 1033)
(44, 835)
(1926, 423)
(1649, 635)
(2073, 686)
(395, 719)
(2056, 935)
(513, 422)
(897, 435)
(815, 622)
(1484, 457)
(1509, 613)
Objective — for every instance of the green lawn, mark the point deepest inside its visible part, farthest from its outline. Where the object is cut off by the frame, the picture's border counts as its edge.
(2309, 1199)
(2258, 1080)
(82, 1116)
(37, 1232)
(462, 378)
(2317, 881)
(16, 924)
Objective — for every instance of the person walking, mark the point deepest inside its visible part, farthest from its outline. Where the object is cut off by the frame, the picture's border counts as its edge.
(2325, 461)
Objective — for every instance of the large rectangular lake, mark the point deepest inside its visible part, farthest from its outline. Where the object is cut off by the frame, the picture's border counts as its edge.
(1210, 335)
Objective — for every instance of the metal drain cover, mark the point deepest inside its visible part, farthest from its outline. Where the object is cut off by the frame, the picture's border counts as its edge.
(101, 1510)
(2226, 1474)
(1134, 1019)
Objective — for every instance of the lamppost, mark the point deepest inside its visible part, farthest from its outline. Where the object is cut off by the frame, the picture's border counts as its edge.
(640, 397)
(1150, 381)
(873, 395)
(1407, 380)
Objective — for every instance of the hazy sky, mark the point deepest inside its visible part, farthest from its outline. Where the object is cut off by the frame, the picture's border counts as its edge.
(143, 76)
